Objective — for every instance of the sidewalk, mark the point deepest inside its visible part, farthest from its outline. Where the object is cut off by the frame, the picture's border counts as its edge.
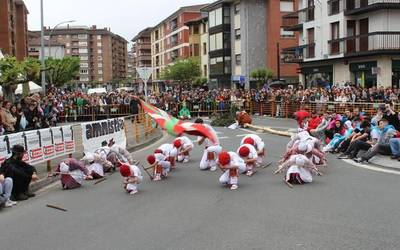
(287, 127)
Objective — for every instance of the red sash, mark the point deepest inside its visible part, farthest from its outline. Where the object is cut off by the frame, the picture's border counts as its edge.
(233, 172)
(171, 159)
(158, 169)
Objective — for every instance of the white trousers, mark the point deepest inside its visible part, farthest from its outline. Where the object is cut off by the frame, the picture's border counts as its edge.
(305, 174)
(133, 186)
(226, 179)
(205, 163)
(96, 168)
(182, 157)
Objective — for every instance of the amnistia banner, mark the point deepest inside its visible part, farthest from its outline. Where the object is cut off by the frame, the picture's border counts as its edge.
(41, 145)
(94, 133)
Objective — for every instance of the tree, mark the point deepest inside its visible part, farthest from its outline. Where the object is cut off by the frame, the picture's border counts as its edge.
(200, 81)
(261, 75)
(62, 71)
(10, 76)
(183, 71)
(31, 70)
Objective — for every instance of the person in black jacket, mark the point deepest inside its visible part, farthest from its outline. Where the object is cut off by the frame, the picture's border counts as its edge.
(20, 172)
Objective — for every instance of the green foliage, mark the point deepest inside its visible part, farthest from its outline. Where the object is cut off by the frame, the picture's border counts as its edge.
(200, 81)
(62, 71)
(11, 72)
(261, 75)
(225, 119)
(31, 69)
(182, 71)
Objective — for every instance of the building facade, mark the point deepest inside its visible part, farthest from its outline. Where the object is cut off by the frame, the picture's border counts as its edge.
(54, 50)
(142, 49)
(170, 38)
(102, 54)
(341, 41)
(244, 36)
(14, 28)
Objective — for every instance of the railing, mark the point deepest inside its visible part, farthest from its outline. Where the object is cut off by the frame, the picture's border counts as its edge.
(335, 7)
(294, 20)
(366, 43)
(93, 113)
(293, 54)
(360, 6)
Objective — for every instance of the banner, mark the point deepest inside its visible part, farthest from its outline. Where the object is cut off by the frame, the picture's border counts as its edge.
(48, 147)
(41, 145)
(94, 133)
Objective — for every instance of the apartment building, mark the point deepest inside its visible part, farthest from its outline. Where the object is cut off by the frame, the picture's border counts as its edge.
(102, 54)
(142, 48)
(198, 42)
(342, 41)
(244, 36)
(170, 38)
(53, 49)
(14, 28)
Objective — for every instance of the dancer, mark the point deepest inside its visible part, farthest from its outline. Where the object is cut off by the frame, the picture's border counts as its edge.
(185, 148)
(211, 151)
(73, 173)
(160, 164)
(96, 164)
(299, 170)
(170, 151)
(250, 156)
(132, 177)
(258, 143)
(232, 165)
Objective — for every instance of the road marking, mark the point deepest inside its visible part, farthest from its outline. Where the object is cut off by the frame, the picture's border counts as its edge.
(377, 169)
(223, 137)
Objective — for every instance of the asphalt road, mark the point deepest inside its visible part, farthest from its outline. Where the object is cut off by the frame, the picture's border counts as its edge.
(347, 208)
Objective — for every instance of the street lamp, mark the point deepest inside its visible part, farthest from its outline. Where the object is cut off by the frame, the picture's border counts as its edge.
(51, 32)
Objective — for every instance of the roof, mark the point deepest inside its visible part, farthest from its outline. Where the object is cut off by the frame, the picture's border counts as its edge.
(192, 8)
(215, 4)
(197, 21)
(143, 33)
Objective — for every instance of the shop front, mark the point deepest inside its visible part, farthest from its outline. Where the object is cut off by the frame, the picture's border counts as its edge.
(363, 74)
(321, 76)
(396, 73)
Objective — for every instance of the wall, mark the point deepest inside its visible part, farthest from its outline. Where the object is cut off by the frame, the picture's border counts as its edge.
(204, 57)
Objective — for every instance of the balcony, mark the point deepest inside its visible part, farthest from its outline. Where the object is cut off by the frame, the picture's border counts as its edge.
(294, 21)
(144, 46)
(357, 7)
(297, 54)
(366, 44)
(335, 7)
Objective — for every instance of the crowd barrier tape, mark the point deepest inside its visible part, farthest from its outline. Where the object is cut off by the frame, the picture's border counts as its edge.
(41, 145)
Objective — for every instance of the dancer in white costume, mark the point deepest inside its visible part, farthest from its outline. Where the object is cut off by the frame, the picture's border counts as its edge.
(250, 157)
(185, 146)
(258, 144)
(211, 151)
(132, 177)
(232, 165)
(160, 164)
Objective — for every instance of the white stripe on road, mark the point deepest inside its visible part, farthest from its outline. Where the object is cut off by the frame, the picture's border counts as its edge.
(377, 169)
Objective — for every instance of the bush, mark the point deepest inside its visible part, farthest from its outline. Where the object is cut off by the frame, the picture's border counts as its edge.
(224, 119)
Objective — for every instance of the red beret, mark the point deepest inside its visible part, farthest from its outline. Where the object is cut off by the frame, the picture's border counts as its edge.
(125, 170)
(244, 151)
(177, 143)
(224, 158)
(249, 140)
(151, 159)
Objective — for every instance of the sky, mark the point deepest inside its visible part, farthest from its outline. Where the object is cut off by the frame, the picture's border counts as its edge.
(124, 17)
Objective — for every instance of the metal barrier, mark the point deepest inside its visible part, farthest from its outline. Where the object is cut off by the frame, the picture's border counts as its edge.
(93, 113)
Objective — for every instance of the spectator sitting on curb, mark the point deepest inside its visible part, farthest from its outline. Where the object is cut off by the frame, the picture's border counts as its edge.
(6, 185)
(20, 172)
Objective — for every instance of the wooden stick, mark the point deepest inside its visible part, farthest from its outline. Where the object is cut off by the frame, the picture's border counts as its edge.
(266, 165)
(56, 207)
(101, 180)
(145, 169)
(289, 184)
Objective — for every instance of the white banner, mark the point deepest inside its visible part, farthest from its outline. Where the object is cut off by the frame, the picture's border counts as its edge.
(48, 147)
(94, 133)
(41, 145)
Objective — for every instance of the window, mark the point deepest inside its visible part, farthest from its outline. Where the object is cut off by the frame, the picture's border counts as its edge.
(238, 59)
(286, 6)
(100, 72)
(82, 44)
(216, 42)
(217, 66)
(205, 70)
(334, 45)
(100, 79)
(215, 17)
(99, 58)
(99, 65)
(68, 51)
(84, 71)
(237, 34)
(98, 37)
(83, 51)
(285, 33)
(99, 44)
(99, 51)
(84, 58)
(196, 29)
(84, 79)
(237, 8)
(204, 48)
(334, 7)
(67, 44)
(204, 28)
(84, 65)
(227, 15)
(227, 65)
(311, 45)
(82, 36)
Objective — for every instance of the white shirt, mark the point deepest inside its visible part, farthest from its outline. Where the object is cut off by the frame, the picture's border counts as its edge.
(168, 149)
(135, 170)
(253, 152)
(186, 142)
(257, 140)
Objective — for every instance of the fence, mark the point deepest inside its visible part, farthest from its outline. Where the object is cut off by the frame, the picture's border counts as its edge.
(137, 129)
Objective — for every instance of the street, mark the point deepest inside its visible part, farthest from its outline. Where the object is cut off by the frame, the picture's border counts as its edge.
(347, 208)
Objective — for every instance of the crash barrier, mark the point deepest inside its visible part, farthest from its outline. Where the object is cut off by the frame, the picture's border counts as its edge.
(282, 109)
(85, 113)
(45, 145)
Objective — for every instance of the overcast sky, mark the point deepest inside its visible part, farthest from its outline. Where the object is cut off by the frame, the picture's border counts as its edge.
(124, 17)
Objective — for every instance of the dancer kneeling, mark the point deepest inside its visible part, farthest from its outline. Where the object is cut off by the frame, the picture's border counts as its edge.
(211, 151)
(299, 170)
(160, 164)
(132, 177)
(184, 146)
(257, 143)
(250, 156)
(72, 172)
(232, 165)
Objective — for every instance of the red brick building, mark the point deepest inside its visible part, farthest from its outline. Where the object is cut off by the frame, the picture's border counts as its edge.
(14, 28)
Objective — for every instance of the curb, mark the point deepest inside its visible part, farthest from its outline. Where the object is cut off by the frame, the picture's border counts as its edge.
(44, 182)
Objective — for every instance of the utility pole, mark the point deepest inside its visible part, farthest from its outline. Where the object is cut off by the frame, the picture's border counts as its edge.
(278, 59)
(42, 49)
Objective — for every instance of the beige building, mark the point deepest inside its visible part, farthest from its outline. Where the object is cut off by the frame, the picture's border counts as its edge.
(103, 54)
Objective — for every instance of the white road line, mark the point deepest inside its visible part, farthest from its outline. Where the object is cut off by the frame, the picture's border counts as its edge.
(223, 137)
(377, 169)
